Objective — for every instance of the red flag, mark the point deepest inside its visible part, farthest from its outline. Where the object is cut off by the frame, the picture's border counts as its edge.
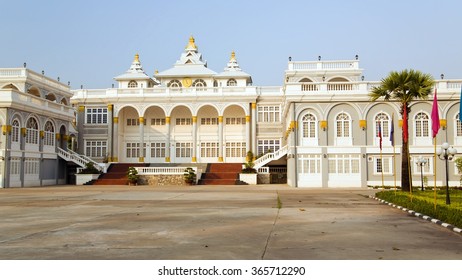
(435, 116)
(405, 132)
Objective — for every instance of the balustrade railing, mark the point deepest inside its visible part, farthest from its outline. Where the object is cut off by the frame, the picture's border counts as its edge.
(81, 160)
(266, 158)
(162, 170)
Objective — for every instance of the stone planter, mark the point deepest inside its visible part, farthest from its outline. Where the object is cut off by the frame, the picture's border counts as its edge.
(81, 179)
(249, 178)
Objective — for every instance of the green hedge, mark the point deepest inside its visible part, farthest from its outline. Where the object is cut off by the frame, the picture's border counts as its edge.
(451, 214)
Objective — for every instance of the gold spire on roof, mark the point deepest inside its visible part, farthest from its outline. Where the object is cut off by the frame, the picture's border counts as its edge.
(191, 44)
(233, 56)
(137, 58)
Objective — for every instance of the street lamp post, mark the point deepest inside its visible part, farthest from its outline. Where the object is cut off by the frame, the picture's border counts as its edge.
(446, 153)
(421, 162)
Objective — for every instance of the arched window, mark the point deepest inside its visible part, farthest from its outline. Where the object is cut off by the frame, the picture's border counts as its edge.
(132, 84)
(32, 133)
(309, 126)
(421, 125)
(175, 85)
(49, 133)
(199, 84)
(231, 83)
(343, 125)
(458, 125)
(382, 120)
(15, 130)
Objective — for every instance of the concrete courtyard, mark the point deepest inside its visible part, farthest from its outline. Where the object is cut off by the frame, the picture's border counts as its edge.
(213, 222)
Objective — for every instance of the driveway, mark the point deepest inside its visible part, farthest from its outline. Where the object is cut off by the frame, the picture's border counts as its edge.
(213, 222)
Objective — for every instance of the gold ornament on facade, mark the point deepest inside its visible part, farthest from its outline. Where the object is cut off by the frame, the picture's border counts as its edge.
(363, 124)
(443, 124)
(187, 82)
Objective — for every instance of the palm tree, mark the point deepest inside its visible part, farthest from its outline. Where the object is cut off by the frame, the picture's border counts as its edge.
(404, 87)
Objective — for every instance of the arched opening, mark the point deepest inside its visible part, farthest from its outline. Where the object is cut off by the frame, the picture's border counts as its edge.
(339, 84)
(181, 134)
(34, 91)
(234, 131)
(156, 134)
(50, 97)
(129, 134)
(10, 86)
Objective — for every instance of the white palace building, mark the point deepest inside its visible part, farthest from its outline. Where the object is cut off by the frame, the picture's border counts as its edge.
(319, 129)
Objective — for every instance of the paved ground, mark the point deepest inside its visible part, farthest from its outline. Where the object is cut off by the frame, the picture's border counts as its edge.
(213, 222)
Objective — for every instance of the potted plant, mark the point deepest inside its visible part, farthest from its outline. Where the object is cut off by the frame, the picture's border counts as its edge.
(189, 176)
(249, 173)
(87, 174)
(132, 175)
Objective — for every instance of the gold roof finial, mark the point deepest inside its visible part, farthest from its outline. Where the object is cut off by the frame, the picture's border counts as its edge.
(233, 55)
(191, 44)
(137, 58)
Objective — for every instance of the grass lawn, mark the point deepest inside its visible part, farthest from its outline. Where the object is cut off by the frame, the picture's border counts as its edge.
(424, 203)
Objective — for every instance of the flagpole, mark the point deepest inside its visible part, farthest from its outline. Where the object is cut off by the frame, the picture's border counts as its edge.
(410, 173)
(434, 171)
(381, 160)
(394, 167)
(435, 129)
(392, 140)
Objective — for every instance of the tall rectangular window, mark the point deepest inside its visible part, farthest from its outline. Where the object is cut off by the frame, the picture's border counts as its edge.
(384, 164)
(209, 149)
(235, 149)
(268, 146)
(309, 164)
(183, 149)
(133, 150)
(269, 114)
(344, 164)
(95, 148)
(157, 149)
(96, 115)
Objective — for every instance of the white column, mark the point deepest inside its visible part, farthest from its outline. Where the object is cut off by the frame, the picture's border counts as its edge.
(167, 145)
(194, 139)
(115, 156)
(141, 158)
(254, 128)
(247, 134)
(220, 138)
(110, 136)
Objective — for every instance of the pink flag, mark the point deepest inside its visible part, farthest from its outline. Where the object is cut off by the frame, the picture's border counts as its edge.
(435, 116)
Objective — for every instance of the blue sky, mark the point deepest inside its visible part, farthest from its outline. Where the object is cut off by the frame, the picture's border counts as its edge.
(90, 42)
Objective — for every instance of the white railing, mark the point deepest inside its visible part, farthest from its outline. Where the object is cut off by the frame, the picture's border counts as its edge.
(323, 65)
(341, 86)
(81, 160)
(263, 170)
(12, 72)
(278, 169)
(162, 170)
(266, 158)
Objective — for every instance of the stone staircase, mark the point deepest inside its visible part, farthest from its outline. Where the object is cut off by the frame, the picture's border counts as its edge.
(221, 174)
(117, 174)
